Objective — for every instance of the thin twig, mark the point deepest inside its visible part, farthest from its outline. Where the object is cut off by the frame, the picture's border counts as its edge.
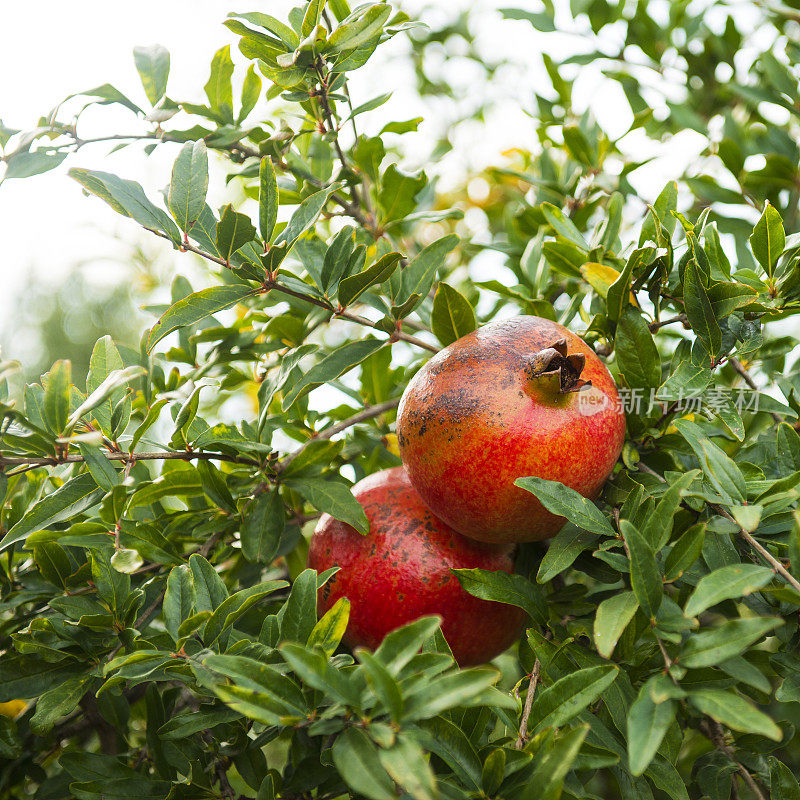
(654, 326)
(269, 285)
(367, 413)
(715, 733)
(748, 379)
(523, 725)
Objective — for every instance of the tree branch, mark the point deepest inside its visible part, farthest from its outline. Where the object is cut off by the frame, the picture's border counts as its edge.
(526, 713)
(748, 379)
(178, 455)
(367, 413)
(715, 733)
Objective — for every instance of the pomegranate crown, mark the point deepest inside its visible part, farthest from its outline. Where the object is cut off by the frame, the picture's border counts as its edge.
(562, 371)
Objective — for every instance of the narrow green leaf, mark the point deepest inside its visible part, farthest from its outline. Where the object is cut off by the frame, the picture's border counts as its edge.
(568, 696)
(152, 63)
(350, 35)
(357, 760)
(636, 353)
(218, 89)
(331, 367)
(768, 239)
(189, 184)
(263, 523)
(709, 648)
(65, 503)
(564, 226)
(57, 395)
(195, 307)
(645, 575)
(329, 630)
(611, 619)
(334, 498)
(351, 288)
(267, 198)
(734, 712)
(452, 316)
(560, 499)
(733, 580)
(421, 271)
(502, 587)
(698, 308)
(179, 599)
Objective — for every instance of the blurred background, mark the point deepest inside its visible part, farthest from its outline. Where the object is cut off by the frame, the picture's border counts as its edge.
(73, 270)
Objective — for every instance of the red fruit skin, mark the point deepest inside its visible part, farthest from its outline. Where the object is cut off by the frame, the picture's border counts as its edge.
(471, 422)
(400, 572)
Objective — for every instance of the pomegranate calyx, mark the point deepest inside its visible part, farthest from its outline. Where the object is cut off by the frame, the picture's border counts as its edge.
(553, 367)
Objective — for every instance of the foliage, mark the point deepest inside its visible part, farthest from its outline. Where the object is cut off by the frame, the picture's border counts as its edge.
(155, 606)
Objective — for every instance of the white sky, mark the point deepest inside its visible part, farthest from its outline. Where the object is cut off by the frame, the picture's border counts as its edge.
(50, 49)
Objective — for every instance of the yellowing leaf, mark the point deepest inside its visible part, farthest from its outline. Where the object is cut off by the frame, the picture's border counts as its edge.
(599, 276)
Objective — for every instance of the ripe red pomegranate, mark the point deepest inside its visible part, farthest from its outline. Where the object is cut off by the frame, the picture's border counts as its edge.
(400, 571)
(513, 399)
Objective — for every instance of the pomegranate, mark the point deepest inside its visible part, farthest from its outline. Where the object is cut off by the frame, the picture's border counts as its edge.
(522, 397)
(400, 571)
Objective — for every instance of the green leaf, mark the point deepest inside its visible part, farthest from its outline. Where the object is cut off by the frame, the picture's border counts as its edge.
(636, 353)
(113, 381)
(657, 529)
(733, 580)
(564, 226)
(408, 767)
(768, 239)
(331, 367)
(383, 684)
(353, 34)
(727, 297)
(112, 586)
(788, 443)
(734, 712)
(419, 275)
(183, 481)
(709, 648)
(717, 466)
(660, 222)
(100, 468)
(448, 691)
(152, 64)
(569, 696)
(233, 607)
(357, 760)
(699, 311)
(305, 215)
(329, 630)
(58, 702)
(251, 91)
(334, 498)
(352, 287)
(263, 523)
(564, 548)
(218, 89)
(234, 230)
(685, 552)
(611, 619)
(298, 615)
(29, 163)
(565, 502)
(209, 588)
(452, 316)
(66, 503)
(552, 767)
(127, 198)
(502, 587)
(184, 725)
(57, 396)
(179, 598)
(196, 307)
(398, 193)
(645, 575)
(783, 784)
(401, 645)
(267, 198)
(189, 184)
(648, 723)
